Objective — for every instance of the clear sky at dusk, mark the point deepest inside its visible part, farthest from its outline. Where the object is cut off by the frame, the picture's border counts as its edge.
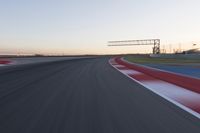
(85, 26)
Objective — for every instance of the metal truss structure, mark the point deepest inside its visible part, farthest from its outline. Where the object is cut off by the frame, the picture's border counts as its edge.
(154, 42)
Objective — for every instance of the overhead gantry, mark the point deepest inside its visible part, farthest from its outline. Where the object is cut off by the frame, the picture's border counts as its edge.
(154, 42)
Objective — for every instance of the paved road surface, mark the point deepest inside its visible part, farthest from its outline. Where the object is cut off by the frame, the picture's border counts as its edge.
(33, 60)
(84, 96)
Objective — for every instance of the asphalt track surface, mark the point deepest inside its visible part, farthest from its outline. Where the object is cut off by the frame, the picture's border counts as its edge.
(84, 96)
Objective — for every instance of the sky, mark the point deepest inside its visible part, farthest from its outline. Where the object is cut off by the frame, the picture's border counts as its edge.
(85, 26)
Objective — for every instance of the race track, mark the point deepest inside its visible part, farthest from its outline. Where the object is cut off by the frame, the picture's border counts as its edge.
(84, 96)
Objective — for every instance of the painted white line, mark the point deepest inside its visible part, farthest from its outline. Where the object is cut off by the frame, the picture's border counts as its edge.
(119, 65)
(130, 72)
(162, 95)
(173, 91)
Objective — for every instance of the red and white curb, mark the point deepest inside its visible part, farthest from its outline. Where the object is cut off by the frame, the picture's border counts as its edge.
(182, 97)
(5, 62)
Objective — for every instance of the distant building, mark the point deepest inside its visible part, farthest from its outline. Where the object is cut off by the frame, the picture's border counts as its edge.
(192, 51)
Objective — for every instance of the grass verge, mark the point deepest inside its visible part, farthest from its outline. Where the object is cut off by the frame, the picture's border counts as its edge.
(146, 59)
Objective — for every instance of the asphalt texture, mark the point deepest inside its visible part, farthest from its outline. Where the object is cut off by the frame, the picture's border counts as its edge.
(84, 96)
